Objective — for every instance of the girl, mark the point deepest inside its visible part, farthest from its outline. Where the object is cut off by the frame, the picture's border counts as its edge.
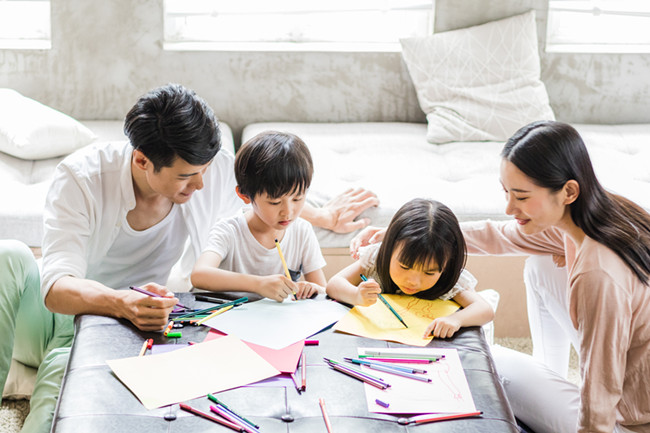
(423, 255)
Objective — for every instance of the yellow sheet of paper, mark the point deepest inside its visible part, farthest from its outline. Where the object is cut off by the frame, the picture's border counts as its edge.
(191, 372)
(376, 321)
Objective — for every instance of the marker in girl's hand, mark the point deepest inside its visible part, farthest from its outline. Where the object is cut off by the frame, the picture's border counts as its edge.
(363, 277)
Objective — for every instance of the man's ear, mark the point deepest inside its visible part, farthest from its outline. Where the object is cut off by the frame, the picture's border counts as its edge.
(140, 160)
(572, 191)
(244, 197)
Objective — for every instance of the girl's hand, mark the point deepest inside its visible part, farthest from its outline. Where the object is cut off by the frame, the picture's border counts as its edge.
(367, 236)
(306, 289)
(367, 293)
(443, 327)
(277, 287)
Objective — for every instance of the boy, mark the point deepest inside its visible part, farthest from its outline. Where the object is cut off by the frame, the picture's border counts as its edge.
(273, 172)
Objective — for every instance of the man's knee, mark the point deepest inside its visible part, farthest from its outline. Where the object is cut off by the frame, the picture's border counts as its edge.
(12, 250)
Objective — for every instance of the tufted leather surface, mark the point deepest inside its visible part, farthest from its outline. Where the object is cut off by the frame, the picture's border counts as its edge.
(93, 400)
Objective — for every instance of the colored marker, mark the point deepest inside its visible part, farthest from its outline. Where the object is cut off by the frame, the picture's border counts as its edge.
(371, 380)
(174, 335)
(382, 299)
(211, 418)
(380, 354)
(209, 299)
(381, 403)
(169, 327)
(295, 383)
(144, 348)
(311, 342)
(326, 418)
(398, 360)
(215, 314)
(216, 400)
(284, 264)
(150, 343)
(153, 295)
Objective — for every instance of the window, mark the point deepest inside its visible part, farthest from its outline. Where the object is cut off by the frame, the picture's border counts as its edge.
(25, 24)
(295, 25)
(604, 26)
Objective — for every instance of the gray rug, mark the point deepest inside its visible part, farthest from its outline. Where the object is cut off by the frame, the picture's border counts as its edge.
(13, 412)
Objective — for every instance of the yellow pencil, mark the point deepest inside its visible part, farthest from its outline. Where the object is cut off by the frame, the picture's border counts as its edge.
(144, 348)
(284, 263)
(216, 313)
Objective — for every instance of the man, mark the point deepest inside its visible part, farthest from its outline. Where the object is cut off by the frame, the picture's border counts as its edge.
(122, 214)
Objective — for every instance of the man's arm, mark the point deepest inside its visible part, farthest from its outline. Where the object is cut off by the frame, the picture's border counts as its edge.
(70, 295)
(339, 214)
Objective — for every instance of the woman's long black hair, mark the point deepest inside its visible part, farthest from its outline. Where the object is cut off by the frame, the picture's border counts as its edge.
(552, 153)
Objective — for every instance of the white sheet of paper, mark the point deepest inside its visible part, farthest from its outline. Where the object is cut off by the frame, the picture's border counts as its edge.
(448, 392)
(191, 372)
(277, 325)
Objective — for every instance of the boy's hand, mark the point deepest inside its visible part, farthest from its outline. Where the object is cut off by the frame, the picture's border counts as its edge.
(277, 287)
(148, 313)
(442, 327)
(367, 293)
(306, 290)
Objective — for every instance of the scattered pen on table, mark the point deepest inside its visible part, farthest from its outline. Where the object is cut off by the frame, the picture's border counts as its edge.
(311, 342)
(380, 354)
(359, 375)
(216, 400)
(211, 310)
(232, 418)
(284, 264)
(385, 364)
(153, 295)
(223, 422)
(295, 382)
(215, 314)
(432, 418)
(399, 372)
(303, 371)
(381, 403)
(326, 418)
(392, 310)
(144, 348)
(169, 327)
(209, 299)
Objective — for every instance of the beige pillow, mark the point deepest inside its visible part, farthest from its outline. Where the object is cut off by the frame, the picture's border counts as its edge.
(481, 83)
(31, 130)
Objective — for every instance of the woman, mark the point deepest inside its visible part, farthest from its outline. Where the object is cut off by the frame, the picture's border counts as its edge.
(560, 208)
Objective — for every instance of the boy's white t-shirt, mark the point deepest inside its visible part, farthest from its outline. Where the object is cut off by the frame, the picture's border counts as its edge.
(240, 252)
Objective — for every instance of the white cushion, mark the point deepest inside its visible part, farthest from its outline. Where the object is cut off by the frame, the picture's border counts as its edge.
(31, 130)
(481, 83)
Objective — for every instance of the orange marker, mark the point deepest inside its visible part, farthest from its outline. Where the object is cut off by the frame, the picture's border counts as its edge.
(169, 327)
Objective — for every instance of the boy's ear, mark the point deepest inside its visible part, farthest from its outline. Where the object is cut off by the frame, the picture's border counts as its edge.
(244, 197)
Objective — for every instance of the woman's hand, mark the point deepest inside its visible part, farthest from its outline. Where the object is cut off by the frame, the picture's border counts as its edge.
(367, 236)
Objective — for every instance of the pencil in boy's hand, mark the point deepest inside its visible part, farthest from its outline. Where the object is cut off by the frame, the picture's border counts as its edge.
(284, 264)
(363, 277)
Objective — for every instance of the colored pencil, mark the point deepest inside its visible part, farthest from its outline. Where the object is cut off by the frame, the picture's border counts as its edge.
(399, 372)
(216, 400)
(303, 371)
(380, 354)
(326, 418)
(398, 360)
(211, 418)
(433, 418)
(215, 314)
(382, 299)
(144, 348)
(153, 295)
(284, 264)
(385, 364)
(371, 380)
(211, 310)
(233, 419)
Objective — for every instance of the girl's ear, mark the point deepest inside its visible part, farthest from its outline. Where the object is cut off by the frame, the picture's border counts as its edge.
(244, 197)
(571, 191)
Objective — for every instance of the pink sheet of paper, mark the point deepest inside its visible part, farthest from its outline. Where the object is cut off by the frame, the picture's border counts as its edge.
(285, 359)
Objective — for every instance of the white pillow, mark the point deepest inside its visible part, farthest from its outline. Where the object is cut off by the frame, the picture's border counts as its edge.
(31, 130)
(481, 83)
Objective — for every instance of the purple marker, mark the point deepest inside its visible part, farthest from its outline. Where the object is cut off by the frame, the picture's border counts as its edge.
(381, 403)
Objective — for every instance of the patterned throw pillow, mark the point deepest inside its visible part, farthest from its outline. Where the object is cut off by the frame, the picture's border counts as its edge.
(481, 83)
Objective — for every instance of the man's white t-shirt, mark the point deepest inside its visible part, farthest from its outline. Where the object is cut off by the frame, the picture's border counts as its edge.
(144, 256)
(240, 252)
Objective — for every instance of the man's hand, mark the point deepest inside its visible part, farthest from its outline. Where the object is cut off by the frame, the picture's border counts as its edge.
(367, 236)
(342, 210)
(148, 313)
